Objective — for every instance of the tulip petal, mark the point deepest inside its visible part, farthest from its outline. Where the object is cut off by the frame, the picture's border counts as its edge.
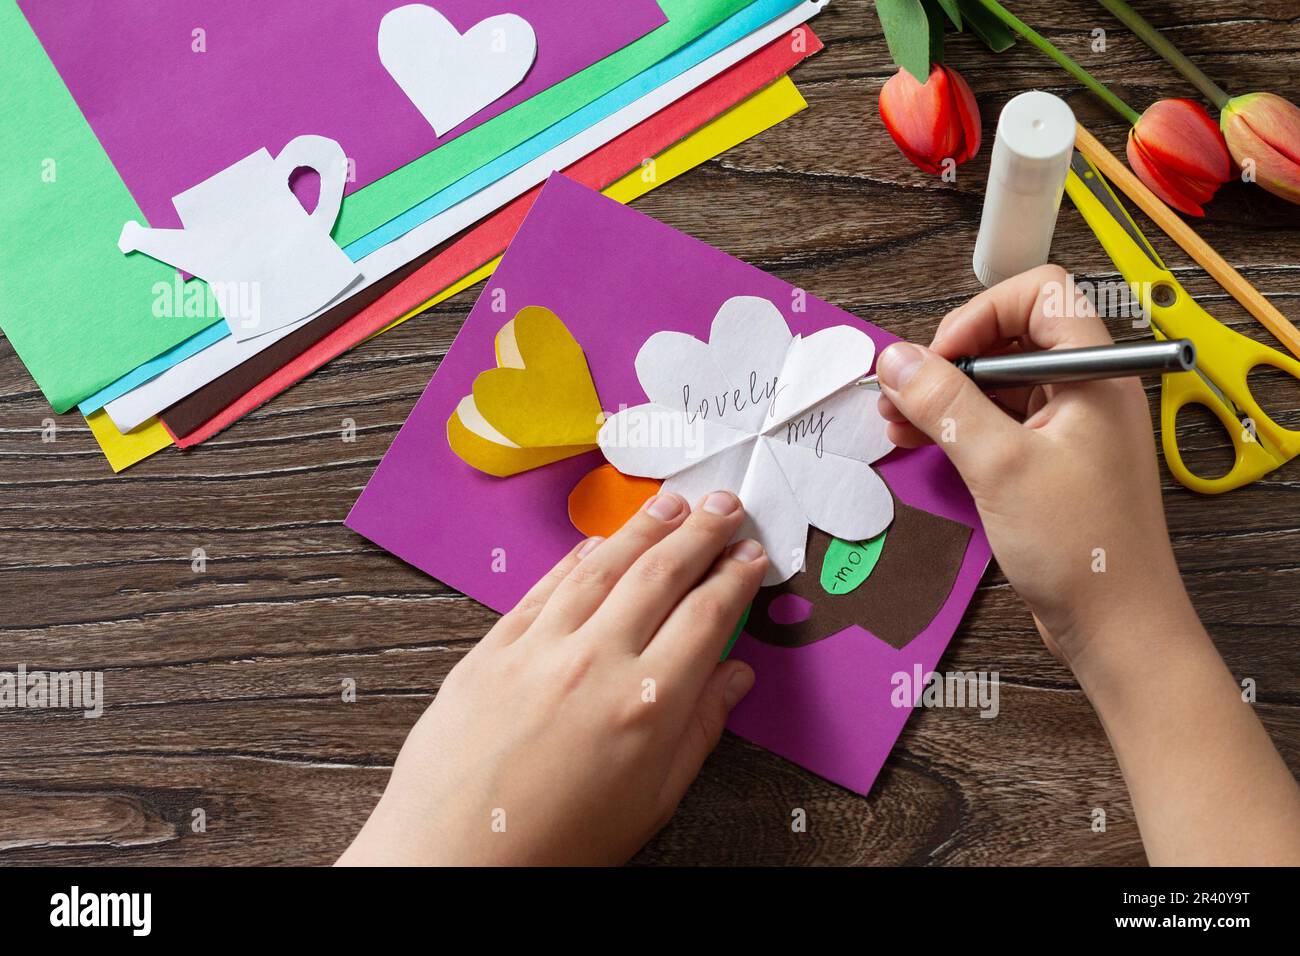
(1274, 171)
(1274, 120)
(1157, 183)
(1183, 141)
(968, 112)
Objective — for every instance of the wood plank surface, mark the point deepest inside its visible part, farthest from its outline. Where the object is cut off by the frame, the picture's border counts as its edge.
(224, 687)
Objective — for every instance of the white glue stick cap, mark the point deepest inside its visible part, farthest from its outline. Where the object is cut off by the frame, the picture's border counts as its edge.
(1031, 155)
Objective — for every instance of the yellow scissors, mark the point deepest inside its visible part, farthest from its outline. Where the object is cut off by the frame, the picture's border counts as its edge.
(1224, 358)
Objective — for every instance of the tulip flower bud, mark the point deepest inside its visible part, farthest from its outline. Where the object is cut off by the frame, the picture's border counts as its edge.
(1177, 150)
(931, 122)
(1263, 134)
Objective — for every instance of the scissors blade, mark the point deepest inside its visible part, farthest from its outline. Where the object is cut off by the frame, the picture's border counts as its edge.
(1228, 403)
(1100, 189)
(1097, 185)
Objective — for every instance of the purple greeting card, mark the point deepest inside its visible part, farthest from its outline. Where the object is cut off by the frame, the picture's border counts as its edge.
(826, 696)
(178, 91)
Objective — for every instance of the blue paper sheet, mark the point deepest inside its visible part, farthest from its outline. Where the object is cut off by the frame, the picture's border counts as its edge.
(155, 366)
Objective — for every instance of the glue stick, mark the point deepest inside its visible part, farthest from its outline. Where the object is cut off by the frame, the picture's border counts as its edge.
(1031, 155)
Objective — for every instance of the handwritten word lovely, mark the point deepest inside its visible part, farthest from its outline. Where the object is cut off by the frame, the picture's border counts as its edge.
(731, 400)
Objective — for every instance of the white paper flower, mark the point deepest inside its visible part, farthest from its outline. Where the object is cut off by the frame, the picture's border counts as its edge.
(768, 415)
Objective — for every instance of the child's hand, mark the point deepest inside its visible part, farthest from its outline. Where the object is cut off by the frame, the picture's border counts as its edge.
(571, 731)
(1070, 498)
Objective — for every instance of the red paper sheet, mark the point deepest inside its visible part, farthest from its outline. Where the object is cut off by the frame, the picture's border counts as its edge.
(489, 239)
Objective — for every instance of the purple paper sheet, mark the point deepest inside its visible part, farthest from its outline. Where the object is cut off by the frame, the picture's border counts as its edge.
(169, 117)
(614, 277)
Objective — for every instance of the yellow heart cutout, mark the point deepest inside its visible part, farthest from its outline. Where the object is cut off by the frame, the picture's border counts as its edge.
(542, 395)
(537, 407)
(481, 446)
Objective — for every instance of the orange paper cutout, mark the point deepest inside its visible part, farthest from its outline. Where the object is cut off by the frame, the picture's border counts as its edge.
(605, 498)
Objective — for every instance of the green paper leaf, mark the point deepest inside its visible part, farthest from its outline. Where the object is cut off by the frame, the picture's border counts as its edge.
(907, 32)
(997, 36)
(735, 635)
(848, 563)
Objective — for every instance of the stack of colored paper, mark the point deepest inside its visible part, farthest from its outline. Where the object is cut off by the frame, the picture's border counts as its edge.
(210, 201)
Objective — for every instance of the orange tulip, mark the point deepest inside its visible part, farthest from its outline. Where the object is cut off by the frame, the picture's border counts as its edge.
(1263, 133)
(1177, 150)
(931, 122)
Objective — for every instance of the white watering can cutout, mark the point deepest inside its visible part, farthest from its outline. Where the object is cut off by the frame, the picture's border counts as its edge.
(268, 261)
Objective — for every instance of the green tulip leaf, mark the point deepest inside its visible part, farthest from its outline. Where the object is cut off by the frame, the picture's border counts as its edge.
(951, 8)
(849, 563)
(935, 16)
(907, 33)
(997, 36)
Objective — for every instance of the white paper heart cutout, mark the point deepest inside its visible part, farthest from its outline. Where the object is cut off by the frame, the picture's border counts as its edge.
(449, 76)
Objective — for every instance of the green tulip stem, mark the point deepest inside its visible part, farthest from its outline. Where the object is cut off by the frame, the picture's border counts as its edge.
(1157, 41)
(1074, 69)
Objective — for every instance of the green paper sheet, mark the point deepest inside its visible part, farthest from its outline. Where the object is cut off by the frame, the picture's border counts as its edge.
(371, 207)
(78, 312)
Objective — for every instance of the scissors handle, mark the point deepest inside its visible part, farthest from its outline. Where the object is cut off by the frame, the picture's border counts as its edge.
(1259, 443)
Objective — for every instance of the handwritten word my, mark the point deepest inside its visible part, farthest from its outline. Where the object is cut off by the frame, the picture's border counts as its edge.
(814, 423)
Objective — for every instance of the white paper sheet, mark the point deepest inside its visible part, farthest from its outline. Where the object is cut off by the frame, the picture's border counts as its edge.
(147, 400)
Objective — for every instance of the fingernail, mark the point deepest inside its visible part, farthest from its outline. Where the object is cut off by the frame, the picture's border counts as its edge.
(738, 686)
(589, 546)
(721, 503)
(664, 507)
(747, 550)
(898, 364)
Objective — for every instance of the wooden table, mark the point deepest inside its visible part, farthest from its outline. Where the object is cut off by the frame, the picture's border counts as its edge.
(224, 685)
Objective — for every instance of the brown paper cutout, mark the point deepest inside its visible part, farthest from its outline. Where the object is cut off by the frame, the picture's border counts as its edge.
(917, 569)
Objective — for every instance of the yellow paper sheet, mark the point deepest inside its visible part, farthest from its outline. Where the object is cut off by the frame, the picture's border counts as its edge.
(122, 451)
(762, 110)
